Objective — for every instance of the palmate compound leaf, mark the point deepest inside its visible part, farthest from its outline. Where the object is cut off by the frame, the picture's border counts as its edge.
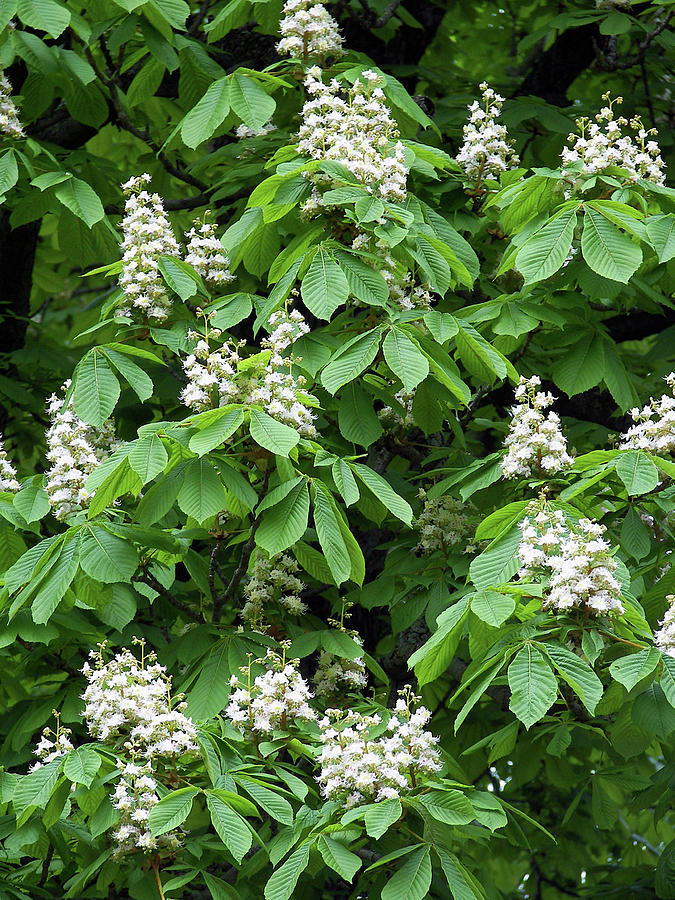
(544, 253)
(534, 687)
(325, 287)
(577, 673)
(607, 250)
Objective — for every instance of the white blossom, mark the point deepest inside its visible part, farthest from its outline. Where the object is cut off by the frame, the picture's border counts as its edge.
(602, 145)
(536, 444)
(10, 124)
(390, 416)
(211, 374)
(147, 235)
(308, 31)
(487, 151)
(130, 700)
(402, 289)
(52, 744)
(575, 560)
(444, 524)
(275, 700)
(272, 579)
(359, 766)
(205, 254)
(336, 674)
(134, 797)
(74, 450)
(654, 428)
(355, 130)
(244, 131)
(664, 638)
(8, 479)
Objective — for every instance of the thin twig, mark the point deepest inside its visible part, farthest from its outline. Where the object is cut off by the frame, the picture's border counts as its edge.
(199, 17)
(146, 577)
(630, 61)
(212, 568)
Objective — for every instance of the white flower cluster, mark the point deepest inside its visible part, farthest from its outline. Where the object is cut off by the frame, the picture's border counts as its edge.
(536, 444)
(654, 428)
(487, 150)
(575, 558)
(270, 580)
(402, 289)
(147, 235)
(357, 767)
(214, 374)
(274, 700)
(665, 636)
(244, 131)
(52, 744)
(444, 524)
(308, 31)
(130, 701)
(205, 254)
(10, 124)
(134, 796)
(8, 479)
(74, 450)
(211, 373)
(392, 417)
(335, 674)
(357, 132)
(601, 145)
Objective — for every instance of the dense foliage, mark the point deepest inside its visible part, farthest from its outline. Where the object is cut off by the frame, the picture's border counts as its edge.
(339, 563)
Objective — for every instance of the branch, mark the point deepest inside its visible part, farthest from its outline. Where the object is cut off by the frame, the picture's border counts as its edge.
(147, 578)
(643, 46)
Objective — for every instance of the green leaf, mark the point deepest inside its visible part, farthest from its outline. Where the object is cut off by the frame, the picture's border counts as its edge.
(442, 325)
(286, 522)
(664, 875)
(365, 283)
(171, 811)
(96, 388)
(668, 677)
(329, 533)
(81, 765)
(534, 687)
(634, 535)
(174, 11)
(461, 883)
(272, 435)
(545, 252)
(351, 359)
(433, 658)
(57, 582)
(413, 880)
(582, 366)
(607, 250)
(449, 807)
(276, 806)
(492, 607)
(284, 879)
(105, 557)
(324, 288)
(179, 280)
(217, 432)
(633, 668)
(249, 101)
(9, 171)
(381, 816)
(577, 673)
(345, 482)
(231, 828)
(201, 495)
(34, 790)
(357, 420)
(148, 457)
(405, 359)
(44, 15)
(661, 234)
(82, 200)
(384, 492)
(338, 857)
(203, 119)
(32, 500)
(138, 380)
(637, 471)
(498, 562)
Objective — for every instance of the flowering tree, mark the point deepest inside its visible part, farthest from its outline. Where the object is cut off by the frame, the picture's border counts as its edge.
(339, 564)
